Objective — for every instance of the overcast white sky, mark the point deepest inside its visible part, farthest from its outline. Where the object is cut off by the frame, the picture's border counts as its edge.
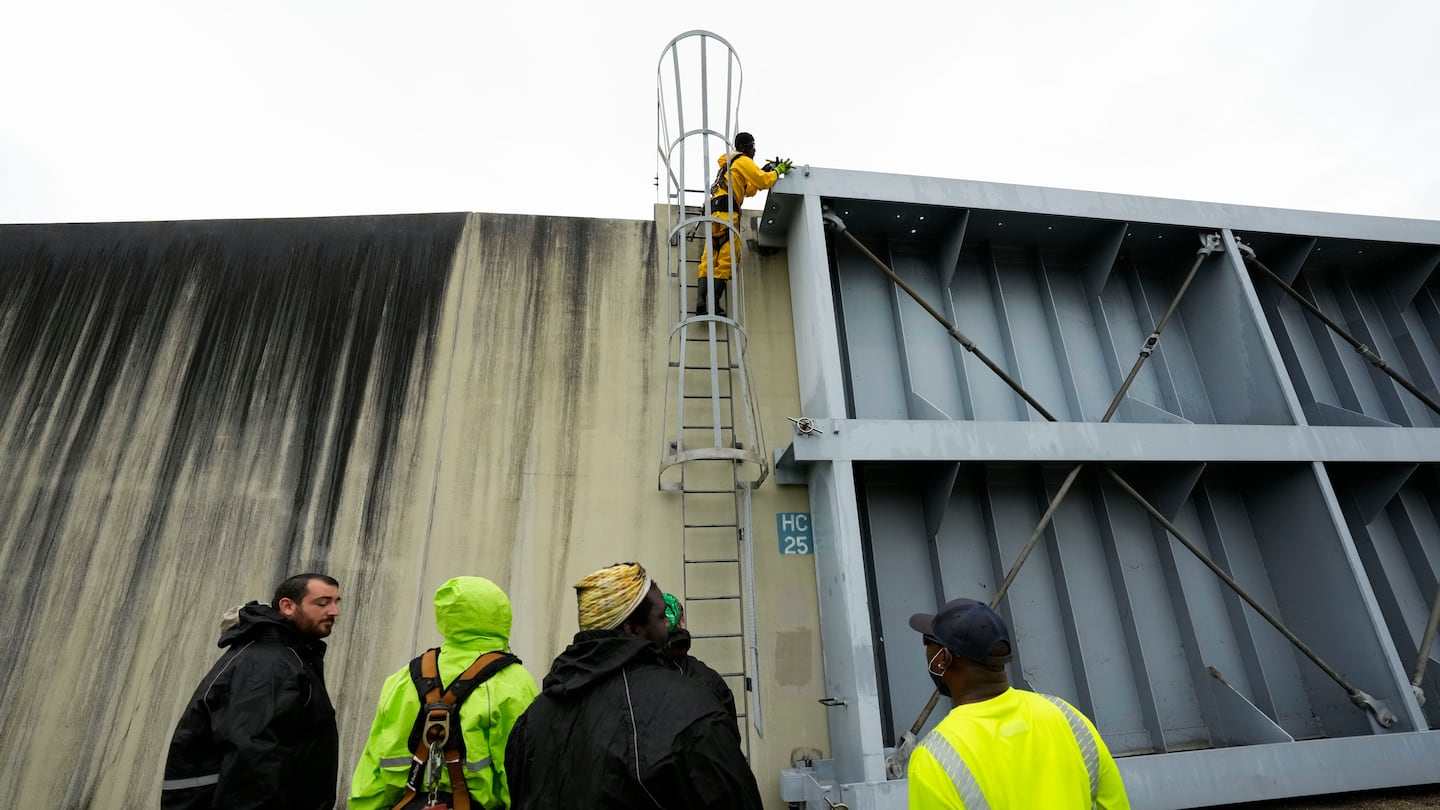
(148, 110)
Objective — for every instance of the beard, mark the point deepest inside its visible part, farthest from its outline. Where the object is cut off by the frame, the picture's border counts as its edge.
(314, 628)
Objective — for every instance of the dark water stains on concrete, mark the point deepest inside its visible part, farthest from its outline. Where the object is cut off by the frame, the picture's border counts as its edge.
(189, 411)
(553, 287)
(271, 336)
(549, 290)
(654, 276)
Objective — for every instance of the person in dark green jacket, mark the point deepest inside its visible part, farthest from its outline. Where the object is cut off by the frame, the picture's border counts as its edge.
(473, 615)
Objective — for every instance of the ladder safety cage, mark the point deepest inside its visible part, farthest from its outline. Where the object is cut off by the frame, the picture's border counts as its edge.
(713, 452)
(696, 129)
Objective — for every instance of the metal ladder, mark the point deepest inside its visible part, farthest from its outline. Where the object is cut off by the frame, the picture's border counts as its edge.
(713, 454)
(716, 561)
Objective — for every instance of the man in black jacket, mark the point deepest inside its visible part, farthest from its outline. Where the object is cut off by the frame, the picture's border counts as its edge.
(260, 732)
(616, 726)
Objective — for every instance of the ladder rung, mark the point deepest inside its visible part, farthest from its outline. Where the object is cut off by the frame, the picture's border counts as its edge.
(719, 367)
(707, 396)
(713, 598)
(731, 674)
(711, 560)
(712, 525)
(709, 491)
(711, 635)
(718, 339)
(706, 427)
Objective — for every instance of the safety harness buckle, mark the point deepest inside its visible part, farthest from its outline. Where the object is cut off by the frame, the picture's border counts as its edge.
(438, 717)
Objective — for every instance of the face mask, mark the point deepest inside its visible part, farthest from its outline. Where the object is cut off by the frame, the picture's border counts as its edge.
(936, 677)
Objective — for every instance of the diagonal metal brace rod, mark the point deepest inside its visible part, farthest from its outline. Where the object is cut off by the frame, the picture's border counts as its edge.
(1418, 672)
(1209, 244)
(1426, 640)
(1385, 717)
(1362, 700)
(837, 225)
(1364, 351)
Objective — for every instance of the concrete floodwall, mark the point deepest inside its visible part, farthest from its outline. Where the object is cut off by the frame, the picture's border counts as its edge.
(190, 411)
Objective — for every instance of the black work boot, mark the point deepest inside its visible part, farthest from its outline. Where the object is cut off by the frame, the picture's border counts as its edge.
(700, 306)
(719, 293)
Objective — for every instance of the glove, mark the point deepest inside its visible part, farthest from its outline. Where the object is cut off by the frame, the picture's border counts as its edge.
(783, 167)
(768, 167)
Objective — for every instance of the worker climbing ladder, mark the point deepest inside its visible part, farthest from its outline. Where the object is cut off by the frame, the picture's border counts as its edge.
(713, 453)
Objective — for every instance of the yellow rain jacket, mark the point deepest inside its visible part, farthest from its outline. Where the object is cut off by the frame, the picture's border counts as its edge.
(743, 180)
(473, 615)
(1016, 751)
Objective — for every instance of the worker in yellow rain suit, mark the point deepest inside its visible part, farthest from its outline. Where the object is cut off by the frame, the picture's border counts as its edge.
(738, 179)
(999, 747)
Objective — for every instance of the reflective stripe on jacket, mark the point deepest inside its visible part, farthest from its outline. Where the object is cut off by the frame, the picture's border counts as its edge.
(1017, 750)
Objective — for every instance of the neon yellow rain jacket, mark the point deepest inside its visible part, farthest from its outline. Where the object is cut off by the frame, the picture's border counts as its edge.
(473, 615)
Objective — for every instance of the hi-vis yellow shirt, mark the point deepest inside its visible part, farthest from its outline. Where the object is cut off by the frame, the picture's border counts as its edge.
(1017, 751)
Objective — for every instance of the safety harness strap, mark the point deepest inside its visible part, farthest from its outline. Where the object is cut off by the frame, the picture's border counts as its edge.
(436, 723)
(720, 201)
(722, 182)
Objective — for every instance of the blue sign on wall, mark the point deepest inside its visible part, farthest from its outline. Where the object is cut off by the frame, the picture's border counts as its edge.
(793, 529)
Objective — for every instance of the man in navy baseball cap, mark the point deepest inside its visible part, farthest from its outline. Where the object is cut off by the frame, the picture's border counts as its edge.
(1000, 747)
(969, 629)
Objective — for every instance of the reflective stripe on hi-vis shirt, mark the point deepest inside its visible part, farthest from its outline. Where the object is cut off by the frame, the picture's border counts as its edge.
(1089, 749)
(955, 768)
(190, 782)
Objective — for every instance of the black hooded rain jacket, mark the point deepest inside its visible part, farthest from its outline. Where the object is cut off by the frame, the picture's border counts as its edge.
(616, 726)
(259, 732)
(701, 672)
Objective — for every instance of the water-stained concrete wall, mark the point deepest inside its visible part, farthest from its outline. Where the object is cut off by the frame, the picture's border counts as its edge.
(189, 411)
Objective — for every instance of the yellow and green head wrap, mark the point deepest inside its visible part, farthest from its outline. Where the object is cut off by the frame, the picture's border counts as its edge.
(606, 597)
